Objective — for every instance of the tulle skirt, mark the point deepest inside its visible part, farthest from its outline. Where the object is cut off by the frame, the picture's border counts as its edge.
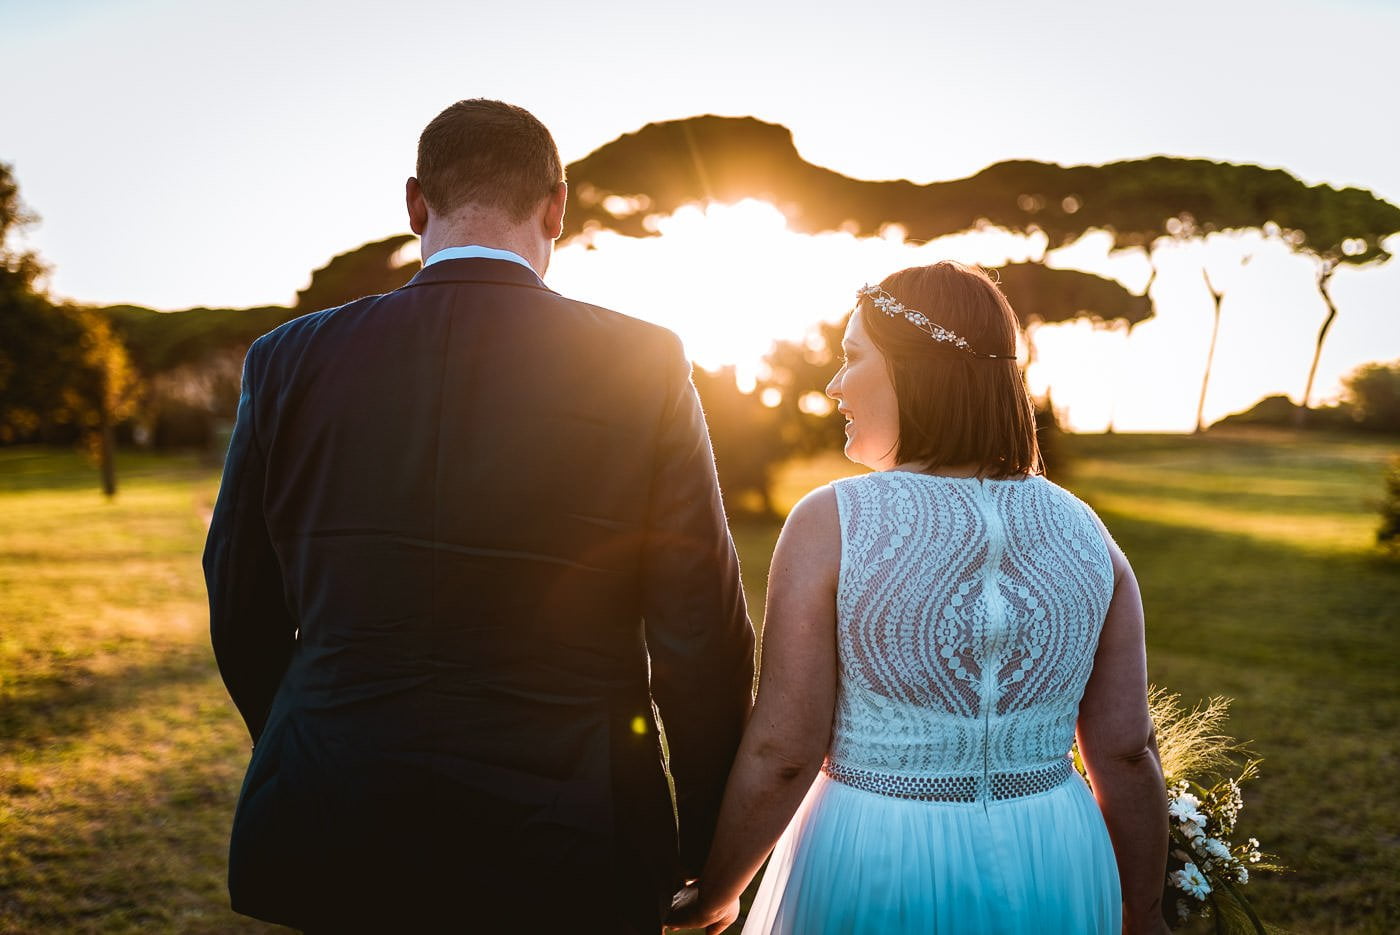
(853, 862)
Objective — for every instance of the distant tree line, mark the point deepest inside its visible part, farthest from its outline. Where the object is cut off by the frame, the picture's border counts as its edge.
(170, 379)
(65, 374)
(1370, 402)
(92, 376)
(1141, 204)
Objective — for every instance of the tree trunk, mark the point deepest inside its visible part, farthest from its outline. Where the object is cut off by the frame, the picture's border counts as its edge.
(107, 444)
(1210, 355)
(1128, 338)
(1324, 279)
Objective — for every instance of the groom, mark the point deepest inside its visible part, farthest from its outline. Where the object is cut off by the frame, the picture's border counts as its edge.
(469, 543)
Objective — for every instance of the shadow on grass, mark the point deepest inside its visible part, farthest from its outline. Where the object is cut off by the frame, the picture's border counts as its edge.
(133, 840)
(43, 559)
(43, 708)
(1249, 497)
(1330, 615)
(34, 468)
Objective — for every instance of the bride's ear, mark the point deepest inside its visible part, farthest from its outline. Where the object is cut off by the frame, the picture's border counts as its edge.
(417, 206)
(553, 219)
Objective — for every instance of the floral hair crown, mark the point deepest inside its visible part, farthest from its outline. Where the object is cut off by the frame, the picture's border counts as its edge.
(895, 308)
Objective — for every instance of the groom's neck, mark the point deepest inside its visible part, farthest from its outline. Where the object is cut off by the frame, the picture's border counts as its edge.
(473, 226)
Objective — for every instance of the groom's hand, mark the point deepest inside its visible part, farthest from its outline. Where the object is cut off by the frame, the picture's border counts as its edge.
(689, 911)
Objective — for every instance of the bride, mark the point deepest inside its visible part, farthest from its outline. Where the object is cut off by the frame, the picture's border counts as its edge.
(937, 632)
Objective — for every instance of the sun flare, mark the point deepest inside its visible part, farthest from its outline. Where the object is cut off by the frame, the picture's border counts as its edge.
(731, 279)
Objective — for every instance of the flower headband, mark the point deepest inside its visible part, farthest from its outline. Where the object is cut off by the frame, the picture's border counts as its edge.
(893, 307)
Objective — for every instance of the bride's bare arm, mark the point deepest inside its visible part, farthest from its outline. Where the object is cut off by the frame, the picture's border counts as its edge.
(1119, 748)
(787, 734)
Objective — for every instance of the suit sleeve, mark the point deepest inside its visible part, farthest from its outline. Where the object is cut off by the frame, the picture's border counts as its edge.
(697, 626)
(249, 625)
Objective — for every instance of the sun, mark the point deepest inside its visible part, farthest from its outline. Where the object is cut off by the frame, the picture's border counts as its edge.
(730, 279)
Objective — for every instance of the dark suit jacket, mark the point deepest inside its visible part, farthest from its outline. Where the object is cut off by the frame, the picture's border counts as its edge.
(468, 533)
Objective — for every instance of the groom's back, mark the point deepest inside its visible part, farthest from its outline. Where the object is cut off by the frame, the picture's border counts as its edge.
(467, 462)
(462, 486)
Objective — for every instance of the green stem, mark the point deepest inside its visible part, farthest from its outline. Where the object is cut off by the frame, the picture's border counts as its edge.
(1244, 905)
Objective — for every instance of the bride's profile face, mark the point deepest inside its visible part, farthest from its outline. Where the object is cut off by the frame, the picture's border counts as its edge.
(864, 394)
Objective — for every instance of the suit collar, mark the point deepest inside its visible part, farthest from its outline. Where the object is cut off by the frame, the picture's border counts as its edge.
(478, 269)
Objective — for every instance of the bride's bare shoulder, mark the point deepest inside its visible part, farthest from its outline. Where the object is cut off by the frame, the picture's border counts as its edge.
(810, 543)
(815, 514)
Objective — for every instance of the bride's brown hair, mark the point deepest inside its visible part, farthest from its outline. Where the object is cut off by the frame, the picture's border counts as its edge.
(956, 408)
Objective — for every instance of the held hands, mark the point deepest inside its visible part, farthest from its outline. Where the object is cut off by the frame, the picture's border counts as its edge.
(689, 909)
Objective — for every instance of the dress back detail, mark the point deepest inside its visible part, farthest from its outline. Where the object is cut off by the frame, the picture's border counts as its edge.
(968, 615)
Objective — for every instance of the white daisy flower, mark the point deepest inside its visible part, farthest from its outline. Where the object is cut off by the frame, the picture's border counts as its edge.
(1191, 881)
(1186, 807)
(1215, 848)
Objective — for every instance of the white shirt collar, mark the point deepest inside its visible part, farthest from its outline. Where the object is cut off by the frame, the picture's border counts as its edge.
(475, 250)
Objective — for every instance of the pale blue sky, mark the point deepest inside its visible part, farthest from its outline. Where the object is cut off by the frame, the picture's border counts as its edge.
(184, 152)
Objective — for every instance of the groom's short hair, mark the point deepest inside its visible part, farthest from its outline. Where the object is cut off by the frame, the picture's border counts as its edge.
(488, 153)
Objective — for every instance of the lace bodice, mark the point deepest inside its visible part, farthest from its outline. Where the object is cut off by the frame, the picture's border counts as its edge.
(968, 614)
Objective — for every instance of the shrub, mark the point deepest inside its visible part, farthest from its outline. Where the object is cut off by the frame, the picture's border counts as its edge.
(1373, 390)
(1389, 533)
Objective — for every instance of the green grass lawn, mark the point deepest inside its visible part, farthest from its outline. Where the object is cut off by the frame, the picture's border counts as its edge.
(120, 754)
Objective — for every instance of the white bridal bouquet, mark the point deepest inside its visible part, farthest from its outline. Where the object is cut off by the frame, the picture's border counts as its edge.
(1206, 873)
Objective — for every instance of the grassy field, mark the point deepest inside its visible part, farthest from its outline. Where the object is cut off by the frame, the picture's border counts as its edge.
(120, 755)
(1261, 582)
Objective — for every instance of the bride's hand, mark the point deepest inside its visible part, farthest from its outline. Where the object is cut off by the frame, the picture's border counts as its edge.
(690, 910)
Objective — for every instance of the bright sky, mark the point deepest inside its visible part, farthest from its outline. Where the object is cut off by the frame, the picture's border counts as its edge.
(186, 152)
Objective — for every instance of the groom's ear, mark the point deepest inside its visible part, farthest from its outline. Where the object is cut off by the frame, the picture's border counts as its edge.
(553, 219)
(417, 206)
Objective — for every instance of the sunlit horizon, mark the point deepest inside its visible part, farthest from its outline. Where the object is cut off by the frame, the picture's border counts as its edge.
(733, 279)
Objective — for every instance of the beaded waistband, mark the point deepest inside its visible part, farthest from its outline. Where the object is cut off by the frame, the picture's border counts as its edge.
(1012, 785)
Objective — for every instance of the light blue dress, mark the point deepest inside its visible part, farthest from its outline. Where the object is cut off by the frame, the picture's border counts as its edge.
(968, 615)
